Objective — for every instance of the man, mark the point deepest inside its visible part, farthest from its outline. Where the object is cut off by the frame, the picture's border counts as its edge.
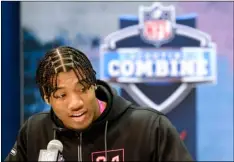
(92, 122)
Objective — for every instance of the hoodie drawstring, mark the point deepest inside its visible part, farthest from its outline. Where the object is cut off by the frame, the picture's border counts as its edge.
(54, 131)
(105, 139)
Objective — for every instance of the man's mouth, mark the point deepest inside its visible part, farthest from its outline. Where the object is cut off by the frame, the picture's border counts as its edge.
(79, 117)
(77, 114)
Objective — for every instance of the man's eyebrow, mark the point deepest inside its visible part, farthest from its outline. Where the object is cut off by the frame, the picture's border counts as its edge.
(57, 88)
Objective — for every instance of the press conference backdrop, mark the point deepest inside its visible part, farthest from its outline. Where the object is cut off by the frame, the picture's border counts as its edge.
(206, 119)
(10, 81)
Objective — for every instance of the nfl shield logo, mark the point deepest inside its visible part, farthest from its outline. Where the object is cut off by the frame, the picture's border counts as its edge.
(157, 23)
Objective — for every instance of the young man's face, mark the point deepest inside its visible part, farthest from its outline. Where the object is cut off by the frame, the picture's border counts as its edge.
(76, 106)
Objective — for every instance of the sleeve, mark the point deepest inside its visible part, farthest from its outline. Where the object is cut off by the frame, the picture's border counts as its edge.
(19, 150)
(170, 146)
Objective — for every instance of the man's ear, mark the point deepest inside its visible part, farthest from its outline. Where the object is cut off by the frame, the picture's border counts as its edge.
(46, 100)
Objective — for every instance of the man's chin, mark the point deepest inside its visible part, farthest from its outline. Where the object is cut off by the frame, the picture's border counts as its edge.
(80, 127)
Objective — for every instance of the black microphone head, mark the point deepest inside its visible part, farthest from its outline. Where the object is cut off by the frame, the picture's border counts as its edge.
(55, 145)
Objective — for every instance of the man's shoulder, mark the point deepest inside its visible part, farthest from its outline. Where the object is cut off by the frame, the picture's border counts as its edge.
(39, 119)
(37, 123)
(144, 113)
(149, 116)
(145, 110)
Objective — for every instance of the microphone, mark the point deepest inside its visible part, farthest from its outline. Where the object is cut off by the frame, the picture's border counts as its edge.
(53, 152)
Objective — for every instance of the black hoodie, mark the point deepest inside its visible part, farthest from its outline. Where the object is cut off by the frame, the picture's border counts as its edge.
(123, 132)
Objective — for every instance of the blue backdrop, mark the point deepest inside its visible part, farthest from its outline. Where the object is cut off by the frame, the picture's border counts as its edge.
(10, 74)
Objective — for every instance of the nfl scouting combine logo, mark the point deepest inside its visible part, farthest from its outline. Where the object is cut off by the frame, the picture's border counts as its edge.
(130, 65)
(157, 24)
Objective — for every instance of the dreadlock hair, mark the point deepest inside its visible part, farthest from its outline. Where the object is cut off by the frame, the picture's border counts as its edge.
(63, 59)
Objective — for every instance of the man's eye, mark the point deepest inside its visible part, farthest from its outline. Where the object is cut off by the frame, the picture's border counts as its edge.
(60, 96)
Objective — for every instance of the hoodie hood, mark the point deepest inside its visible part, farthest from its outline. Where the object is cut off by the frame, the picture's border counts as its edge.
(116, 105)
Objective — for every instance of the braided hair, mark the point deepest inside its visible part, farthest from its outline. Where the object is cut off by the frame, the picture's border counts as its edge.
(63, 59)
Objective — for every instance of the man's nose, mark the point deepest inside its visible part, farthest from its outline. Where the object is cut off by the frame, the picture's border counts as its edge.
(76, 102)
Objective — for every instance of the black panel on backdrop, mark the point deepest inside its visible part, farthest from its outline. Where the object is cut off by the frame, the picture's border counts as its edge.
(183, 116)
